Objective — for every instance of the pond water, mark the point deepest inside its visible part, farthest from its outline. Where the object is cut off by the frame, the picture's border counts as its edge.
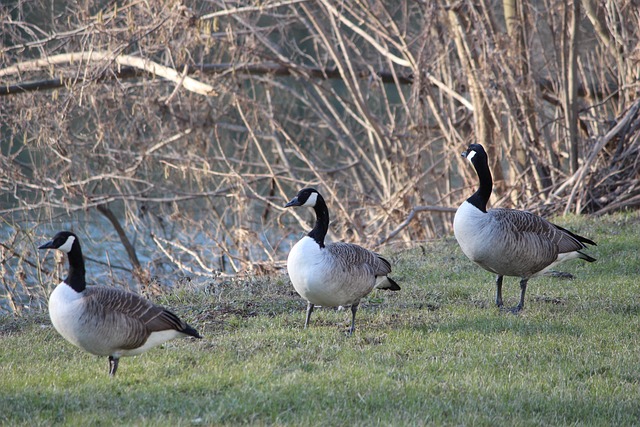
(106, 261)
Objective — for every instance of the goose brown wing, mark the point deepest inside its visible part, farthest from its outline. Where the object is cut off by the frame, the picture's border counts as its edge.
(583, 241)
(356, 258)
(128, 316)
(383, 266)
(529, 226)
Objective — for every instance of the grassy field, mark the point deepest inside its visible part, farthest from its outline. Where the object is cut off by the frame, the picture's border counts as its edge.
(437, 352)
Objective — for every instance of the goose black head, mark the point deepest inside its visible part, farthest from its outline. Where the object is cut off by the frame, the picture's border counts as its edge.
(62, 241)
(474, 151)
(306, 197)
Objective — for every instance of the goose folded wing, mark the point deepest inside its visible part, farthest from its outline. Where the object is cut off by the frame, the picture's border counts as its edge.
(358, 260)
(535, 229)
(131, 316)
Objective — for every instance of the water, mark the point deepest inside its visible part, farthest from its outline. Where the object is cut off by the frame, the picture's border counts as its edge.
(29, 274)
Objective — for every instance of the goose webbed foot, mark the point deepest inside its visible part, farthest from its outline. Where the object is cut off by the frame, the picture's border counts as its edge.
(517, 309)
(513, 310)
(523, 289)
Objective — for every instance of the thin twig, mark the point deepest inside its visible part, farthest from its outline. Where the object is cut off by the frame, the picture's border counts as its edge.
(411, 216)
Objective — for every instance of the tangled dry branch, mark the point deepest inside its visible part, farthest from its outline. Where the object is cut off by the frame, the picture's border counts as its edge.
(190, 124)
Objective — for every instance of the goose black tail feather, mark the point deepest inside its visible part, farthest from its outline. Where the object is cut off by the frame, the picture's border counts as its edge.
(191, 332)
(586, 257)
(577, 237)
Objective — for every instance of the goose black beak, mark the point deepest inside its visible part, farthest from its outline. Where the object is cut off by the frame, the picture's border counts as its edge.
(464, 153)
(48, 245)
(293, 202)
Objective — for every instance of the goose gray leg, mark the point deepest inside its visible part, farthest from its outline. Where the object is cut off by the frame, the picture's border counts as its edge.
(354, 308)
(113, 365)
(309, 311)
(523, 289)
(499, 291)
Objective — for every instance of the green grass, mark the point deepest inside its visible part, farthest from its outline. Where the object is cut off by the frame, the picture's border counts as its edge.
(437, 352)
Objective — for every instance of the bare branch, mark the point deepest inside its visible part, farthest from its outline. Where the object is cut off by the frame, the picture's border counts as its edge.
(260, 8)
(124, 60)
(410, 217)
(113, 219)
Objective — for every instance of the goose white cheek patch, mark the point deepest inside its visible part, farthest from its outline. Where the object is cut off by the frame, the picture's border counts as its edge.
(311, 201)
(66, 248)
(470, 155)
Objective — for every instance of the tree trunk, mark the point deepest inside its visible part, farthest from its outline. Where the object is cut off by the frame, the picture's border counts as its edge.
(570, 71)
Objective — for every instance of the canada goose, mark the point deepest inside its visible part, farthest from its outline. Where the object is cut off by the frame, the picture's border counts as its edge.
(333, 274)
(106, 321)
(510, 242)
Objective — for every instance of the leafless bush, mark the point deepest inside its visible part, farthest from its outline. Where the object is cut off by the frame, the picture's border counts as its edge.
(180, 129)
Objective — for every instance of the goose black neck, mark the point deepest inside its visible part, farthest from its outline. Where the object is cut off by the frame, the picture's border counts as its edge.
(322, 222)
(76, 276)
(480, 198)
